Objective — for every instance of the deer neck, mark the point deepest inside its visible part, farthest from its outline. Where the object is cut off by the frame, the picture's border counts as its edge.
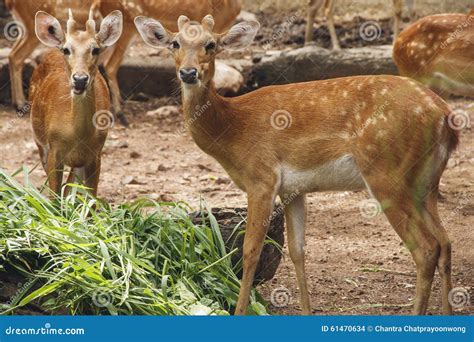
(205, 116)
(83, 109)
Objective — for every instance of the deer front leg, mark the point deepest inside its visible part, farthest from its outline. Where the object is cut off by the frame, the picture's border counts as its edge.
(295, 215)
(92, 174)
(54, 170)
(260, 207)
(397, 17)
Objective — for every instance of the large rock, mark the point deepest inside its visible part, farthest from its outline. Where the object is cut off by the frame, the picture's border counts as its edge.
(227, 79)
(315, 63)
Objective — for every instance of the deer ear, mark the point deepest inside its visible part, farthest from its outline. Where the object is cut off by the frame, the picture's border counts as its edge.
(152, 32)
(240, 36)
(48, 30)
(110, 29)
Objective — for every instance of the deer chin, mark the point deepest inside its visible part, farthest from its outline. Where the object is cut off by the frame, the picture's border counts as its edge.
(78, 91)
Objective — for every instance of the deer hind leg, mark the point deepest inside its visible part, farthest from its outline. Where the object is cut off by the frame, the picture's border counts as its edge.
(313, 8)
(21, 50)
(406, 214)
(112, 66)
(260, 207)
(444, 262)
(295, 214)
(329, 14)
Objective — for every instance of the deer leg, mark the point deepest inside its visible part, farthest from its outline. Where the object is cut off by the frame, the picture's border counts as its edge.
(112, 66)
(260, 207)
(406, 217)
(54, 170)
(397, 18)
(444, 262)
(313, 7)
(92, 174)
(16, 59)
(295, 214)
(329, 13)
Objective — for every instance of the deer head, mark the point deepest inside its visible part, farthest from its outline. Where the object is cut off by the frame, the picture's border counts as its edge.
(195, 45)
(81, 49)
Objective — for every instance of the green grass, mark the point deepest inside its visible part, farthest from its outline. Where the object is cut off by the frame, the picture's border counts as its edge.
(86, 256)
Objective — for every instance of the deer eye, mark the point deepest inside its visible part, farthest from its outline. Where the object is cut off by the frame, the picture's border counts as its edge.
(66, 51)
(95, 51)
(174, 44)
(210, 46)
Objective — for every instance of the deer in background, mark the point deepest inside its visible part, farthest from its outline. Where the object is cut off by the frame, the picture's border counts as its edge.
(314, 7)
(26, 42)
(387, 134)
(397, 17)
(438, 51)
(69, 96)
(226, 11)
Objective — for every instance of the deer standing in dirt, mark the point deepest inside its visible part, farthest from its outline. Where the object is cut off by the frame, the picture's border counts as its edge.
(167, 11)
(23, 30)
(438, 51)
(70, 99)
(314, 7)
(387, 134)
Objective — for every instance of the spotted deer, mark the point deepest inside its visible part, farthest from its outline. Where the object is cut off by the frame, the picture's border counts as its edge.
(23, 31)
(167, 11)
(438, 51)
(70, 99)
(387, 134)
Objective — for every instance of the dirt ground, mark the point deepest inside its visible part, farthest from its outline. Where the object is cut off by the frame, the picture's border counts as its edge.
(355, 265)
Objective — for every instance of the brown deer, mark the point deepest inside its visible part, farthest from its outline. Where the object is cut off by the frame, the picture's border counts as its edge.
(167, 11)
(70, 99)
(438, 51)
(24, 13)
(387, 134)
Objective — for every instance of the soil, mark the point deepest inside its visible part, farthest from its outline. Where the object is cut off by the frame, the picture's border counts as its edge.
(355, 265)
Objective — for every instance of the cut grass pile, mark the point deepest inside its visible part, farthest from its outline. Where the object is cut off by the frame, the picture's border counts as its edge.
(88, 257)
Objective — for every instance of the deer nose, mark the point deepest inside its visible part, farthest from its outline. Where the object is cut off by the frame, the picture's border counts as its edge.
(188, 75)
(80, 80)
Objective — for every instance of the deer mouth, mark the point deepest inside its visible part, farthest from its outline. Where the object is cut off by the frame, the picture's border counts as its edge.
(78, 90)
